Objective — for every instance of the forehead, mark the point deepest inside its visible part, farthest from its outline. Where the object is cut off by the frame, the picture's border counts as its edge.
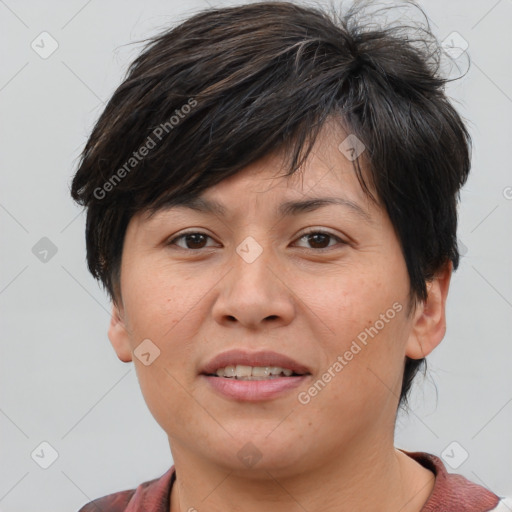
(328, 177)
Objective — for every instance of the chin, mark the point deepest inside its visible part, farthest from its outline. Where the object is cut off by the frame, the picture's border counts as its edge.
(259, 453)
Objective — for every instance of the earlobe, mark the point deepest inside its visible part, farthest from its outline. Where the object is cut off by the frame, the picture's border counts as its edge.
(429, 324)
(119, 336)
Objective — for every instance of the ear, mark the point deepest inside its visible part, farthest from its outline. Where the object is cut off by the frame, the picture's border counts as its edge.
(429, 324)
(118, 335)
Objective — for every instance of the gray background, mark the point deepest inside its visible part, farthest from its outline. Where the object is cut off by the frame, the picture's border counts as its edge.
(60, 380)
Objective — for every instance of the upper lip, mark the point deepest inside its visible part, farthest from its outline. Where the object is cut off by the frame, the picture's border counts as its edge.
(262, 358)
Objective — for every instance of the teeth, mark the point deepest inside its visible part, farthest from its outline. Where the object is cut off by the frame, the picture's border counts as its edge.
(229, 371)
(260, 371)
(244, 372)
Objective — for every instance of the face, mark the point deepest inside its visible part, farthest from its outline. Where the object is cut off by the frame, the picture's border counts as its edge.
(319, 290)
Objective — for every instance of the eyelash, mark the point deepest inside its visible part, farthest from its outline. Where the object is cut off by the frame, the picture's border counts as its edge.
(306, 233)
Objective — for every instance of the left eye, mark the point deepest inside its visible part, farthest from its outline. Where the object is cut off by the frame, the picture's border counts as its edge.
(319, 238)
(196, 240)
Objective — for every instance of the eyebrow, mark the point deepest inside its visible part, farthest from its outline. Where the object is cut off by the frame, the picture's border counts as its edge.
(286, 209)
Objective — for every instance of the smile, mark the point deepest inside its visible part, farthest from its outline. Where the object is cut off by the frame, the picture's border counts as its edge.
(244, 372)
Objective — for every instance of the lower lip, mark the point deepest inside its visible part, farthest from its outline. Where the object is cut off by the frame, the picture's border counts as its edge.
(254, 390)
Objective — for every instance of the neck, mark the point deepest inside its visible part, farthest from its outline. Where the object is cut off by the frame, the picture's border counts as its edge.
(384, 480)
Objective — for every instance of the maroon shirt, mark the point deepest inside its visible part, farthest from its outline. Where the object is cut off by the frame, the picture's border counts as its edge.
(451, 493)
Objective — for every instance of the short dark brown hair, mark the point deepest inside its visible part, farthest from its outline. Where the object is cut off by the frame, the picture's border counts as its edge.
(230, 85)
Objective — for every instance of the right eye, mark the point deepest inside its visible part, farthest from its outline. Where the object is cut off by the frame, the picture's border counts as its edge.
(193, 240)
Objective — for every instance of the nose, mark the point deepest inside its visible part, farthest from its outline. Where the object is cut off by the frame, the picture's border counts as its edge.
(255, 293)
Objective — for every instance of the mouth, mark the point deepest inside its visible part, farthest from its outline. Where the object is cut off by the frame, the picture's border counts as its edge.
(252, 377)
(245, 372)
(241, 365)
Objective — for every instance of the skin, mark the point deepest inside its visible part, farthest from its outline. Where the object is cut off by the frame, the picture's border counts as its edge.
(194, 301)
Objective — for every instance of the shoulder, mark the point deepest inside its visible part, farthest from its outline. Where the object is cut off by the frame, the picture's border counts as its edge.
(150, 496)
(116, 502)
(455, 492)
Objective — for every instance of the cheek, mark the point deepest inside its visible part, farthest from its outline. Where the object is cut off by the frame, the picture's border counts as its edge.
(364, 347)
(168, 399)
(164, 307)
(358, 302)
(161, 300)
(359, 385)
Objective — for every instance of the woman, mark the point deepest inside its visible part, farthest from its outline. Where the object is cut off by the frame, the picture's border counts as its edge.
(272, 197)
